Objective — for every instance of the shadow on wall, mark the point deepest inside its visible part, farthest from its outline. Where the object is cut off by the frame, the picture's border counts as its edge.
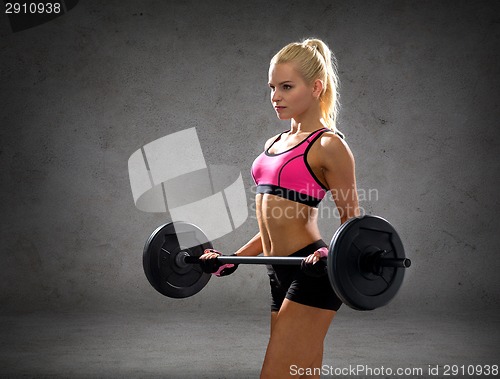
(28, 14)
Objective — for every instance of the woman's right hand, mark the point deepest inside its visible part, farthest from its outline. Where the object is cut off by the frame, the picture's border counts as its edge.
(209, 263)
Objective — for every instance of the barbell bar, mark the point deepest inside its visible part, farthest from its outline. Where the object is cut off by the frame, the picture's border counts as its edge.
(365, 263)
(382, 262)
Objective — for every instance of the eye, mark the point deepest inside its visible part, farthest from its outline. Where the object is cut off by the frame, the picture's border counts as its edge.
(287, 87)
(272, 87)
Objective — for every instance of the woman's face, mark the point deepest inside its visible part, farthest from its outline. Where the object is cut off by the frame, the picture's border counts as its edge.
(291, 96)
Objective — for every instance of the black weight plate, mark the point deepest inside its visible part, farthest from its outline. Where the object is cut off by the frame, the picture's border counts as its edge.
(356, 287)
(162, 266)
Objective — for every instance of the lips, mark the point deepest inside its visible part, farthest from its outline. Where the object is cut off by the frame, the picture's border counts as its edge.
(279, 108)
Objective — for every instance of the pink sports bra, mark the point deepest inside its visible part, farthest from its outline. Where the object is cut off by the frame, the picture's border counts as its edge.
(288, 174)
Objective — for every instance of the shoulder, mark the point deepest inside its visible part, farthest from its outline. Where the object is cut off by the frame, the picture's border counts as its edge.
(333, 148)
(333, 143)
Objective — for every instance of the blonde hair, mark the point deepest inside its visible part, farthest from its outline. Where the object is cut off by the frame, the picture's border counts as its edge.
(314, 60)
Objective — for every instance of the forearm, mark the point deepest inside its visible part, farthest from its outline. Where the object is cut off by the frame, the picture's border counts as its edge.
(356, 212)
(251, 248)
(348, 210)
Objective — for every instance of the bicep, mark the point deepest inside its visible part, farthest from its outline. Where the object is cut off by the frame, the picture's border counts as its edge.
(340, 174)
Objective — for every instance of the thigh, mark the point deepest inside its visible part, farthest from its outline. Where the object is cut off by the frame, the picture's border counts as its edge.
(291, 282)
(297, 338)
(280, 279)
(303, 325)
(274, 317)
(313, 291)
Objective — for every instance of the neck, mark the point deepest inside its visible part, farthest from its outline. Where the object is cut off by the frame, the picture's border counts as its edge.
(308, 121)
(303, 126)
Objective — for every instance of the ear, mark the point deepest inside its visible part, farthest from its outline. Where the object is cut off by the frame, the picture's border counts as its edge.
(317, 88)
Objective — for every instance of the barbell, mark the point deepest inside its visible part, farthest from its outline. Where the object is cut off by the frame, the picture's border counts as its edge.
(365, 263)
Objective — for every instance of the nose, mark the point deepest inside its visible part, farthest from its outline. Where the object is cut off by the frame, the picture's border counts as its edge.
(275, 96)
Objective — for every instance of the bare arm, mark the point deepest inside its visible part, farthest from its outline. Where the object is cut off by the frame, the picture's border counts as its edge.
(252, 247)
(339, 170)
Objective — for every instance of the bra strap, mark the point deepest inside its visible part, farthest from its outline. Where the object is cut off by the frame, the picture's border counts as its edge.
(276, 139)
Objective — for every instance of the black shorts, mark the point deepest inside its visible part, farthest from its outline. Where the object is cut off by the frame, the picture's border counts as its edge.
(290, 282)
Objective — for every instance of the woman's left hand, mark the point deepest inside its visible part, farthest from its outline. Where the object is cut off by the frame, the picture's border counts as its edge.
(309, 265)
(322, 252)
(313, 258)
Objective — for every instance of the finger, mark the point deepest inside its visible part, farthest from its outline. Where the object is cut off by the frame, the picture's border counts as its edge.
(208, 256)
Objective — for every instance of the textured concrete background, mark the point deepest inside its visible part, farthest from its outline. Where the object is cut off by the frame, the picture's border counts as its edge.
(80, 94)
(420, 108)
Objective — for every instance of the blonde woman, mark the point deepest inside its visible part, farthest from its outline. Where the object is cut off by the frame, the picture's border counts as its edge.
(293, 174)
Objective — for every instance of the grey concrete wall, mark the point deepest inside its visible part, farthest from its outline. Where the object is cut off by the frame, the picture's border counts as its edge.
(80, 94)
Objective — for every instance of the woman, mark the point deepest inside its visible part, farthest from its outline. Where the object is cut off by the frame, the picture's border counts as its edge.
(293, 174)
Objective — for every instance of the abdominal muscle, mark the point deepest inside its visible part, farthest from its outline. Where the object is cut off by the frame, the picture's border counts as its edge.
(285, 226)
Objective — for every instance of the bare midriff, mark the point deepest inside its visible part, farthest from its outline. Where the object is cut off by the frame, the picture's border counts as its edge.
(285, 225)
